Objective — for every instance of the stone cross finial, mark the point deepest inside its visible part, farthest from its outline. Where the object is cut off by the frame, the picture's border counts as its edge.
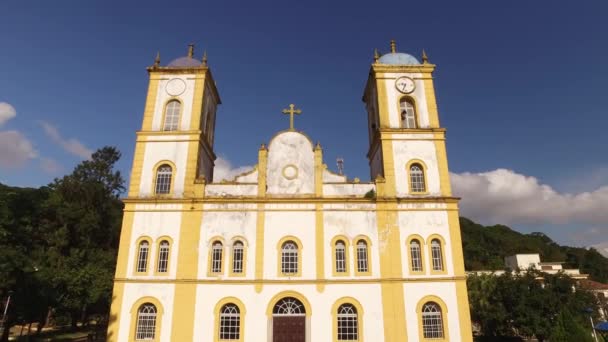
(190, 50)
(291, 111)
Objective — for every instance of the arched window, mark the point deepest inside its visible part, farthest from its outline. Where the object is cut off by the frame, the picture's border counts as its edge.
(146, 322)
(142, 256)
(217, 250)
(348, 325)
(172, 116)
(289, 258)
(408, 113)
(163, 256)
(237, 257)
(436, 255)
(289, 307)
(416, 256)
(340, 251)
(362, 263)
(417, 178)
(230, 322)
(432, 322)
(163, 179)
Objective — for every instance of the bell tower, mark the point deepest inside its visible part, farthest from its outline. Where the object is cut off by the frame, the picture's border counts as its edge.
(177, 134)
(403, 124)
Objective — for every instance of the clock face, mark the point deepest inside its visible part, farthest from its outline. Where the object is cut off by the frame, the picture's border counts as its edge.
(405, 84)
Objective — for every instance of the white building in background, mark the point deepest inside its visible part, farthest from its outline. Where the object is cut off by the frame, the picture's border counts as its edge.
(290, 251)
(523, 262)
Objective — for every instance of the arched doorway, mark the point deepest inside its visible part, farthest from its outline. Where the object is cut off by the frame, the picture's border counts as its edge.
(289, 321)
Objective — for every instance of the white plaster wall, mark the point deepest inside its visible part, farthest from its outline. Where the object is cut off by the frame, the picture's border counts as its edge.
(347, 189)
(228, 225)
(425, 224)
(155, 224)
(350, 224)
(162, 98)
(248, 177)
(414, 292)
(393, 96)
(330, 177)
(228, 190)
(279, 224)
(290, 148)
(164, 293)
(176, 152)
(256, 324)
(406, 150)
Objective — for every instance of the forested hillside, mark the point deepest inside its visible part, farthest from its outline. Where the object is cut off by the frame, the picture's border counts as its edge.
(486, 246)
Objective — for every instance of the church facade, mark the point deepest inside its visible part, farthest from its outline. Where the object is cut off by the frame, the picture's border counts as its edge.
(290, 251)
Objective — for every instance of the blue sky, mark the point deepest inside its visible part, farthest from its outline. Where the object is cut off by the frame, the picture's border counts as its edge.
(520, 87)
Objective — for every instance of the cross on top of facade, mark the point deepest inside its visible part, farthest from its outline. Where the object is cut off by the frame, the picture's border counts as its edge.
(291, 111)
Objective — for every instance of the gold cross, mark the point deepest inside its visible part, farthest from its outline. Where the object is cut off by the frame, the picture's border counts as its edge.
(291, 111)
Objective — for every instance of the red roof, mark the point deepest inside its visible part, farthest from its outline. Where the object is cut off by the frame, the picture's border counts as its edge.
(593, 285)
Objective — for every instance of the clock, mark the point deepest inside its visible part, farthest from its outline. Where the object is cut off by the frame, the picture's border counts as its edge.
(405, 85)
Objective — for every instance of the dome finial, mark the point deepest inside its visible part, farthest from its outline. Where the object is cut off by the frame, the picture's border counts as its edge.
(425, 58)
(190, 50)
(376, 56)
(204, 58)
(393, 46)
(157, 60)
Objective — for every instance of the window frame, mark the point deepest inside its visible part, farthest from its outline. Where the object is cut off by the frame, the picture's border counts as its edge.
(134, 318)
(138, 243)
(441, 240)
(217, 314)
(444, 318)
(334, 256)
(368, 243)
(359, 315)
(410, 259)
(299, 249)
(155, 178)
(243, 243)
(179, 114)
(423, 169)
(212, 270)
(411, 100)
(159, 242)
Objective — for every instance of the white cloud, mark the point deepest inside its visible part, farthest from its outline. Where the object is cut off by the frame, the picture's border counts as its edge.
(7, 112)
(50, 166)
(15, 149)
(224, 170)
(71, 145)
(602, 248)
(504, 196)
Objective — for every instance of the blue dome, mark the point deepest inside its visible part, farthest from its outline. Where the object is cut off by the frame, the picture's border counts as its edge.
(185, 62)
(398, 58)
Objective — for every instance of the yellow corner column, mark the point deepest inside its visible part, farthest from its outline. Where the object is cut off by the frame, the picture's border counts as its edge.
(259, 230)
(319, 227)
(150, 102)
(184, 301)
(462, 297)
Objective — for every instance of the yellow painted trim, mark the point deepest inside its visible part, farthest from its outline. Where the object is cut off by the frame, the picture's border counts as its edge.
(332, 245)
(150, 106)
(156, 264)
(368, 241)
(212, 241)
(412, 99)
(216, 314)
(408, 241)
(159, 317)
(192, 166)
(137, 169)
(125, 241)
(424, 174)
(262, 161)
(279, 256)
(334, 318)
(115, 312)
(441, 240)
(464, 316)
(297, 171)
(442, 164)
(183, 311)
(259, 246)
(173, 176)
(164, 114)
(273, 301)
(197, 103)
(456, 243)
(319, 245)
(444, 317)
(136, 254)
(319, 167)
(241, 200)
(231, 272)
(431, 101)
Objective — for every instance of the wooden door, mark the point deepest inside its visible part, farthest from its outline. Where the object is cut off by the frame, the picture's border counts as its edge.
(289, 329)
